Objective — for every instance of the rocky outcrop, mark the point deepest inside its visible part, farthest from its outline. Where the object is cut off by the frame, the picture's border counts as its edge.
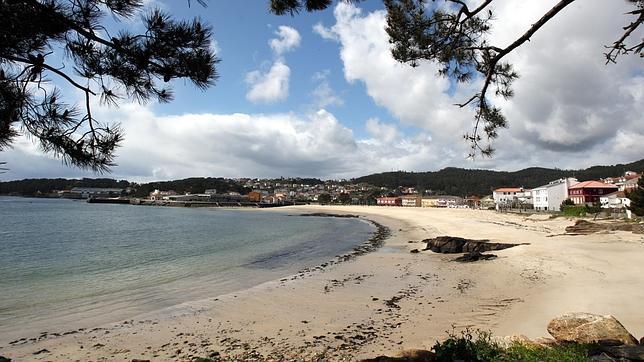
(453, 244)
(590, 328)
(412, 355)
(583, 227)
(474, 256)
(621, 353)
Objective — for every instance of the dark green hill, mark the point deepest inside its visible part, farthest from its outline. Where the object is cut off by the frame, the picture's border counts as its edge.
(459, 181)
(32, 187)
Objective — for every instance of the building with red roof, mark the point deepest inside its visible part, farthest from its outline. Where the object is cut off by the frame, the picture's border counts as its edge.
(589, 192)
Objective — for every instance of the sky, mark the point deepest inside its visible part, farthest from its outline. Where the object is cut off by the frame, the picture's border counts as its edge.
(319, 95)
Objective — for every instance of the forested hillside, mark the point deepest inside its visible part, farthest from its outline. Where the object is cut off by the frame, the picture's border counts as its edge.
(32, 187)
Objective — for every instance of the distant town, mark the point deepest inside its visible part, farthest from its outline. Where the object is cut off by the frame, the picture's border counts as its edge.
(605, 193)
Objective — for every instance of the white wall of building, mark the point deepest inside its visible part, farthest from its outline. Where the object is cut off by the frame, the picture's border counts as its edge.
(549, 197)
(540, 198)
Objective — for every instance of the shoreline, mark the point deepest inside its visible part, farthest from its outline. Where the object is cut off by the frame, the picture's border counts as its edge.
(375, 240)
(389, 300)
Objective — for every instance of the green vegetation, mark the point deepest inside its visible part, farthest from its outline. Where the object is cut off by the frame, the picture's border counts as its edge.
(637, 198)
(344, 198)
(574, 210)
(560, 353)
(34, 187)
(324, 199)
(479, 346)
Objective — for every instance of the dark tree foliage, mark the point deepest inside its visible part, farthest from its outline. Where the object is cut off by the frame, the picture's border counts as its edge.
(32, 187)
(194, 185)
(324, 199)
(344, 198)
(637, 198)
(103, 66)
(455, 37)
(281, 7)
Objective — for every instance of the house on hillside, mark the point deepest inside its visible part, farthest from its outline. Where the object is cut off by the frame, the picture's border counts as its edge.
(389, 201)
(589, 192)
(628, 181)
(630, 184)
(549, 197)
(512, 196)
(254, 196)
(160, 195)
(615, 200)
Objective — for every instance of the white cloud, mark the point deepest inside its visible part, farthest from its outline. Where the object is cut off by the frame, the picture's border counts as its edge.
(323, 94)
(568, 103)
(384, 132)
(215, 48)
(287, 40)
(415, 96)
(269, 87)
(324, 32)
(272, 86)
(158, 147)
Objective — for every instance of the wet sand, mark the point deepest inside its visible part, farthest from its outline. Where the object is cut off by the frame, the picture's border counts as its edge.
(386, 300)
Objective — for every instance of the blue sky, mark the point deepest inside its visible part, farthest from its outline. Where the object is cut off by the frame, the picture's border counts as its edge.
(327, 100)
(242, 33)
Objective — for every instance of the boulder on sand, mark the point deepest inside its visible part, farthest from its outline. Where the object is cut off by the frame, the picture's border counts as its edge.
(473, 256)
(453, 244)
(411, 355)
(590, 328)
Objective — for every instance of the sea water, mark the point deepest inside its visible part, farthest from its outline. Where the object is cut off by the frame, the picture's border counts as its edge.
(68, 264)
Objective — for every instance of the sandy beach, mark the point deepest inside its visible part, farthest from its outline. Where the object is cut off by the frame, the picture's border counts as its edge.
(387, 300)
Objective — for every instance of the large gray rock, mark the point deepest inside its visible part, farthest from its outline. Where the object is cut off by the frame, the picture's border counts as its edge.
(453, 244)
(412, 355)
(590, 328)
(473, 256)
(629, 353)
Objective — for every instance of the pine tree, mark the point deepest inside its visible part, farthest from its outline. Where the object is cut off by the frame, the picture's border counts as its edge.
(637, 198)
(107, 67)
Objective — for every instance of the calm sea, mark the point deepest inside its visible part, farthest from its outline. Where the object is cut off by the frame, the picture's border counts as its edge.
(68, 264)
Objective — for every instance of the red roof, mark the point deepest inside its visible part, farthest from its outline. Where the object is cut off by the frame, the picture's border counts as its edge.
(509, 189)
(592, 184)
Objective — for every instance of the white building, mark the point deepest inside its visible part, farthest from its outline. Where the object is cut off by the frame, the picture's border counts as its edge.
(540, 197)
(549, 197)
(616, 200)
(512, 196)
